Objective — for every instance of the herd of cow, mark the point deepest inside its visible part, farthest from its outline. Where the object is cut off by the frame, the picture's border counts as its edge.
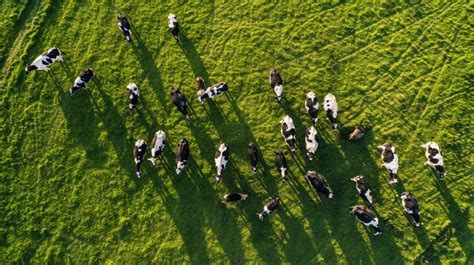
(288, 130)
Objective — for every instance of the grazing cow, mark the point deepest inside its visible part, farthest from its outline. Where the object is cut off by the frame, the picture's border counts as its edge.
(435, 157)
(319, 183)
(212, 91)
(390, 161)
(234, 197)
(125, 27)
(312, 106)
(356, 134)
(312, 142)
(81, 81)
(367, 217)
(269, 207)
(157, 145)
(200, 88)
(179, 100)
(253, 156)
(280, 163)
(276, 83)
(410, 205)
(41, 62)
(364, 189)
(288, 132)
(330, 106)
(139, 152)
(221, 158)
(133, 95)
(182, 155)
(174, 26)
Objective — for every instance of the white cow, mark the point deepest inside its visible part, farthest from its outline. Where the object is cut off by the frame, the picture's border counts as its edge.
(44, 60)
(312, 106)
(288, 131)
(157, 145)
(330, 106)
(390, 161)
(312, 142)
(221, 158)
(435, 157)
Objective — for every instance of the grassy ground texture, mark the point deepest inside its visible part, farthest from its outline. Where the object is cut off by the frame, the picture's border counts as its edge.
(69, 192)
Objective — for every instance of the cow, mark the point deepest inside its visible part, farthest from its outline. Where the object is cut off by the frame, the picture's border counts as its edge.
(330, 106)
(157, 145)
(435, 157)
(212, 91)
(133, 95)
(234, 197)
(253, 156)
(221, 158)
(288, 132)
(390, 161)
(182, 155)
(174, 26)
(81, 81)
(364, 190)
(179, 100)
(367, 217)
(200, 88)
(276, 83)
(319, 183)
(312, 142)
(280, 163)
(410, 205)
(312, 106)
(356, 134)
(125, 27)
(270, 206)
(44, 60)
(139, 152)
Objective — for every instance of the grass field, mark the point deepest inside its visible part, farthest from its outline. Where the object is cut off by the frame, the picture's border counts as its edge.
(69, 192)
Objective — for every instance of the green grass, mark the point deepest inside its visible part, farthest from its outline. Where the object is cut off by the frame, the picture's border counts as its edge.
(69, 193)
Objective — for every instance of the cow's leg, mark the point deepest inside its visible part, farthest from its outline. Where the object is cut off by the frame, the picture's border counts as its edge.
(377, 229)
(416, 217)
(137, 166)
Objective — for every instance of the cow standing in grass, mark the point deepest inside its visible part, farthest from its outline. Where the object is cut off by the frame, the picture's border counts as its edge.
(312, 107)
(179, 100)
(364, 190)
(125, 27)
(157, 145)
(367, 217)
(312, 142)
(269, 207)
(173, 25)
(212, 91)
(288, 132)
(318, 183)
(234, 197)
(139, 152)
(410, 205)
(81, 81)
(44, 60)
(221, 158)
(200, 88)
(253, 156)
(330, 106)
(276, 82)
(390, 161)
(182, 155)
(133, 95)
(281, 165)
(435, 157)
(356, 134)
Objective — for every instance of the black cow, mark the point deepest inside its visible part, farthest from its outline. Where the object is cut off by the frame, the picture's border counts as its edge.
(363, 188)
(280, 163)
(367, 217)
(319, 183)
(174, 26)
(182, 155)
(133, 95)
(139, 152)
(410, 205)
(312, 106)
(276, 82)
(125, 27)
(234, 197)
(269, 207)
(253, 156)
(44, 60)
(81, 81)
(179, 100)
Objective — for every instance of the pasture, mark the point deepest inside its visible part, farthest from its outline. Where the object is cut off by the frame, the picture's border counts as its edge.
(68, 188)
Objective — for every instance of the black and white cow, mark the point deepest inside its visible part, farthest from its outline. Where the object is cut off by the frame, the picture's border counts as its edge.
(253, 156)
(125, 27)
(410, 205)
(133, 95)
(276, 82)
(81, 81)
(330, 106)
(157, 145)
(270, 206)
(44, 60)
(319, 183)
(174, 26)
(435, 157)
(367, 217)
(312, 142)
(364, 190)
(288, 132)
(356, 134)
(312, 106)
(200, 88)
(390, 161)
(234, 197)
(139, 152)
(179, 100)
(212, 91)
(280, 163)
(221, 158)
(182, 155)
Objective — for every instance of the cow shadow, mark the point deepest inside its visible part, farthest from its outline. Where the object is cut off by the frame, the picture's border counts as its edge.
(193, 57)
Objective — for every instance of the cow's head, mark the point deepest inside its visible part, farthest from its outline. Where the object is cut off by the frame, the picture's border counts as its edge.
(385, 146)
(358, 179)
(30, 68)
